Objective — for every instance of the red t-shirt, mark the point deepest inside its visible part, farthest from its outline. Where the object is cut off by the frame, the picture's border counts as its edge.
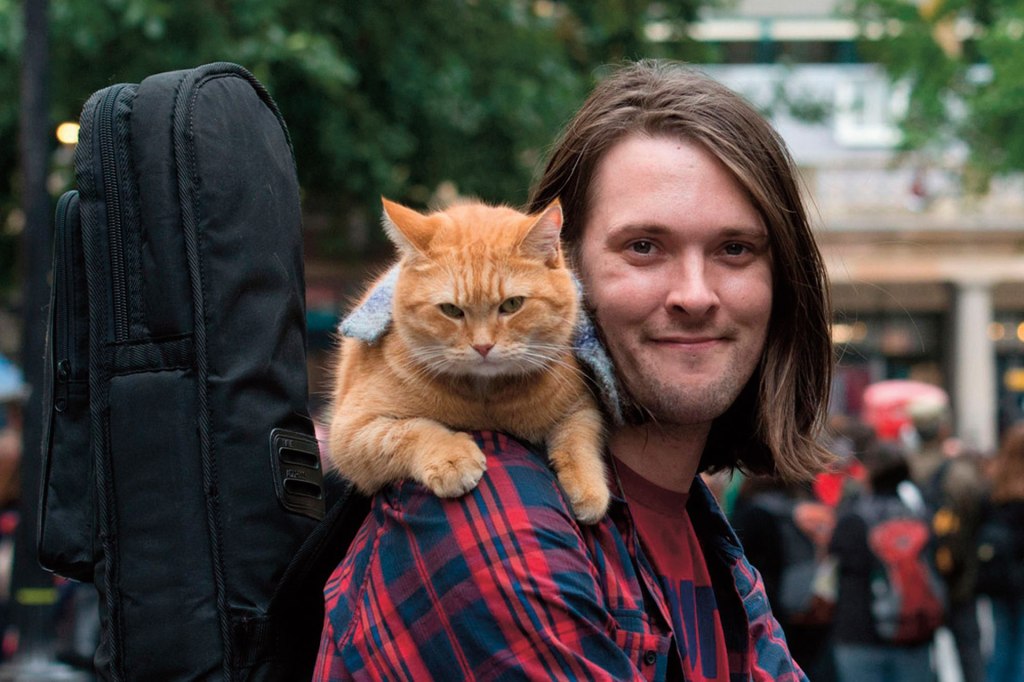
(670, 543)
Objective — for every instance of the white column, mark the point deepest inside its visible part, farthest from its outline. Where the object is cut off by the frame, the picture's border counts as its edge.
(974, 386)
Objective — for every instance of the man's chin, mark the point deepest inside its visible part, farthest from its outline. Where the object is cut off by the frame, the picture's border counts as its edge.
(675, 409)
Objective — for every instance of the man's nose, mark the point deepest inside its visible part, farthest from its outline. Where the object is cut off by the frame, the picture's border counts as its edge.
(692, 290)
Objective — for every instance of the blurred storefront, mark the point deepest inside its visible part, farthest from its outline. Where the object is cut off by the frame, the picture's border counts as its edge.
(946, 308)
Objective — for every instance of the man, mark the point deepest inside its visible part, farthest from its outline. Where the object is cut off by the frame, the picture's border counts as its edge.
(685, 224)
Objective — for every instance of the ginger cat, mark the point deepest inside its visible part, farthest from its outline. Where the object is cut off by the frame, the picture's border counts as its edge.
(480, 338)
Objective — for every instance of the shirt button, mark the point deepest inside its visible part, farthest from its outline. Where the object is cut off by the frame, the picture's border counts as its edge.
(650, 657)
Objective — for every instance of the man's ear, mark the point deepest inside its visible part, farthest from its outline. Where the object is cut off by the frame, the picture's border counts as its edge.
(407, 229)
(543, 239)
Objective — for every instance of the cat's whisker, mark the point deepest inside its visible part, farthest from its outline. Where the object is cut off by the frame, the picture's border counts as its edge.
(425, 366)
(542, 363)
(544, 360)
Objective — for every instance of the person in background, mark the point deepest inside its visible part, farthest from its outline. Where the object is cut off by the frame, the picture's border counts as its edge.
(847, 438)
(785, 531)
(684, 220)
(10, 453)
(954, 490)
(1001, 558)
(861, 653)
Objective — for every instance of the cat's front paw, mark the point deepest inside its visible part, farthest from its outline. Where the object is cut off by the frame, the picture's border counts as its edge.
(452, 466)
(589, 502)
(587, 489)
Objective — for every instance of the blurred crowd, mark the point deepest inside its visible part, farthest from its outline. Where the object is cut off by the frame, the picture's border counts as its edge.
(912, 537)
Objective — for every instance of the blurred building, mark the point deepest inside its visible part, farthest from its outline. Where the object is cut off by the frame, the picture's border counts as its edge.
(927, 282)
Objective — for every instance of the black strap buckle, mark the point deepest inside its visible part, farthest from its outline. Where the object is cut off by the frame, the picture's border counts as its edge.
(298, 476)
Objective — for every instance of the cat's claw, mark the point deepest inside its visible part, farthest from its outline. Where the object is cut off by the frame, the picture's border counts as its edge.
(455, 469)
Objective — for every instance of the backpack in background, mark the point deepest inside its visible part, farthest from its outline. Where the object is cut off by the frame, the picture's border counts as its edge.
(908, 598)
(951, 541)
(181, 473)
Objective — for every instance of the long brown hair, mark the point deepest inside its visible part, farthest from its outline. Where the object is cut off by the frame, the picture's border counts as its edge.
(773, 427)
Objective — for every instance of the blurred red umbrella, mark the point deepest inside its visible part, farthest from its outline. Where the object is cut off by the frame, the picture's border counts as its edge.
(886, 403)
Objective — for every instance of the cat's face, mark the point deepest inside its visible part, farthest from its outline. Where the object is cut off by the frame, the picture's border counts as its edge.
(483, 291)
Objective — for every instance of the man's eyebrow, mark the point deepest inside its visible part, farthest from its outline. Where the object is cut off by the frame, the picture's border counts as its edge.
(656, 229)
(753, 232)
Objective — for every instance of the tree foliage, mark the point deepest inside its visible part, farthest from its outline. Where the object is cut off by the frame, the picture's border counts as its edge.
(395, 97)
(962, 62)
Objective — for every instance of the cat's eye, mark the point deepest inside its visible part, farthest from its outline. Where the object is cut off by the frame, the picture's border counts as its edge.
(451, 311)
(510, 305)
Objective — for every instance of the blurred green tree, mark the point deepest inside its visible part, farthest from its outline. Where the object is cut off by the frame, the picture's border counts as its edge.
(396, 97)
(961, 60)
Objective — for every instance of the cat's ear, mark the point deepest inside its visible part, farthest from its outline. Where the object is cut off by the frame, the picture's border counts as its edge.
(407, 229)
(543, 240)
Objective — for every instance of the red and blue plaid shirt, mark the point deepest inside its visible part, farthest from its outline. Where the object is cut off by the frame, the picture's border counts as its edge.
(502, 583)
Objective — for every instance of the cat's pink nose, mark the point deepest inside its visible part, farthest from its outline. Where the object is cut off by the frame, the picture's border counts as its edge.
(483, 348)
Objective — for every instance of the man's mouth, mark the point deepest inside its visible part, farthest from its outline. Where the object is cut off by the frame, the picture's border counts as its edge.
(689, 342)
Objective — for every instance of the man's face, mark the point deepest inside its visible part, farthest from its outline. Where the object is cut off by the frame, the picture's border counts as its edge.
(677, 268)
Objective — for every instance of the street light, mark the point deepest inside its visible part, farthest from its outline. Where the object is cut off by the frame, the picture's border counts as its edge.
(67, 133)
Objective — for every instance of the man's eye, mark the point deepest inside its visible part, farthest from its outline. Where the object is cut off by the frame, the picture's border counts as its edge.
(736, 249)
(642, 247)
